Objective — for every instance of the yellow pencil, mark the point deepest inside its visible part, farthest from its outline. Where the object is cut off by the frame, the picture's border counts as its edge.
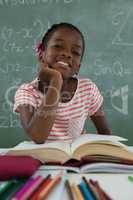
(69, 190)
(77, 192)
(50, 186)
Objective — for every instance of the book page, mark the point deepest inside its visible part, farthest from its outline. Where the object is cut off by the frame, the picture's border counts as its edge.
(83, 139)
(27, 145)
(107, 167)
(59, 167)
(130, 148)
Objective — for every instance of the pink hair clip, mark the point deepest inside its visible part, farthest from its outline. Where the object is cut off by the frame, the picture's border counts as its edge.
(39, 49)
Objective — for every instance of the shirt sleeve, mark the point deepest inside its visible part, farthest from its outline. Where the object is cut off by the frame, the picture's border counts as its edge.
(24, 96)
(95, 100)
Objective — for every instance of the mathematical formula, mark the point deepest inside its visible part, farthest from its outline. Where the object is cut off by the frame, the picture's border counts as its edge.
(34, 2)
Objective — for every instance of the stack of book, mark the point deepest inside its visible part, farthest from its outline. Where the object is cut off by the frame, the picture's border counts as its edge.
(88, 153)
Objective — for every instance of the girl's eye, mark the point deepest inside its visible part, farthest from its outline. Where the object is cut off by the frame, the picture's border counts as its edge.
(77, 53)
(58, 45)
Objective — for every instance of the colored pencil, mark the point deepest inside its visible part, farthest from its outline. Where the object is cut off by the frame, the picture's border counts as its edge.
(106, 196)
(88, 187)
(78, 194)
(69, 190)
(28, 188)
(11, 191)
(21, 191)
(5, 185)
(130, 178)
(44, 184)
(95, 192)
(49, 187)
(86, 193)
(103, 195)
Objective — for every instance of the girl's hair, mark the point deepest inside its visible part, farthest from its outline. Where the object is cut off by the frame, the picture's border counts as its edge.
(41, 46)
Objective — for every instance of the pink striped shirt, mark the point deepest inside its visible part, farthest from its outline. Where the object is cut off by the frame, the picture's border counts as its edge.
(70, 116)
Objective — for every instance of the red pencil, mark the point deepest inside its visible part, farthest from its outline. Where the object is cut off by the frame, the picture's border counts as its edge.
(94, 189)
(46, 181)
(103, 195)
(106, 196)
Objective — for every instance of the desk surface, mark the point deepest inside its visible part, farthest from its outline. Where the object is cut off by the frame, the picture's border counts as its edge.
(117, 185)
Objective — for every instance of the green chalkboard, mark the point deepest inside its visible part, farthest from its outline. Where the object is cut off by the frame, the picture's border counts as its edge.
(107, 26)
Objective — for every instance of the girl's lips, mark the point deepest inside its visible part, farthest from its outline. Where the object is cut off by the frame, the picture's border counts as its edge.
(63, 64)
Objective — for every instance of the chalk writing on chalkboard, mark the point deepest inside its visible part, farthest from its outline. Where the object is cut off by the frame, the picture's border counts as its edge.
(10, 121)
(33, 2)
(115, 69)
(122, 94)
(9, 94)
(22, 40)
(122, 37)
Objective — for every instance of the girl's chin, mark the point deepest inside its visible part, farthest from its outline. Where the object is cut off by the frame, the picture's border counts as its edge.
(63, 71)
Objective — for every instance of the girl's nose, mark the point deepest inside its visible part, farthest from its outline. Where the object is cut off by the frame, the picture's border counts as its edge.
(66, 53)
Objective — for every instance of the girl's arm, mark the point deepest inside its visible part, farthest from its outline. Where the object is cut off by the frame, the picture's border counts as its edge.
(100, 122)
(38, 123)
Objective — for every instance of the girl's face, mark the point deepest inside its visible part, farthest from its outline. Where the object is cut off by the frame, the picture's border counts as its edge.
(64, 51)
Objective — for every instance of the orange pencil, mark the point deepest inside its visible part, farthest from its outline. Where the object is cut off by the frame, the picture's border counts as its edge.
(49, 187)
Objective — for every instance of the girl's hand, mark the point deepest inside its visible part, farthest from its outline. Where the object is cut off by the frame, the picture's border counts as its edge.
(47, 74)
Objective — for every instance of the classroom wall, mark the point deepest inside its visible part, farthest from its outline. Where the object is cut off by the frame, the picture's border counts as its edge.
(107, 26)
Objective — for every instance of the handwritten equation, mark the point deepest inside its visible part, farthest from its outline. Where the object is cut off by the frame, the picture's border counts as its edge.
(22, 40)
(9, 121)
(116, 68)
(15, 68)
(33, 2)
(122, 20)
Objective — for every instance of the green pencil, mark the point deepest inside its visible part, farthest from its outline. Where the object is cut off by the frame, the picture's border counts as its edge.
(5, 185)
(130, 178)
(10, 192)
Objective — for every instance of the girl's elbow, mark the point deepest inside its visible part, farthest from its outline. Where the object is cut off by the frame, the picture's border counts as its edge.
(37, 137)
(38, 140)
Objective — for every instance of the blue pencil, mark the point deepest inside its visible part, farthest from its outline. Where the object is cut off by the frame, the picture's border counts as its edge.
(89, 188)
(86, 193)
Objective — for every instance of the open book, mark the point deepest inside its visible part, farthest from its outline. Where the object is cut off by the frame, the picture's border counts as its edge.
(87, 145)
